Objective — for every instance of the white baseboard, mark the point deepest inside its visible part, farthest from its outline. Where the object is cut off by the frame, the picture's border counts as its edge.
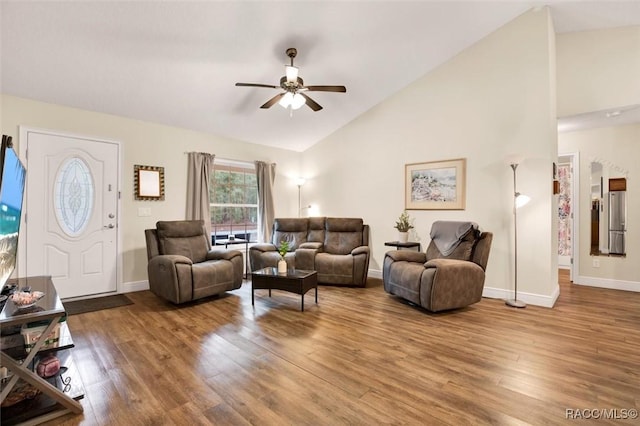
(375, 273)
(607, 283)
(528, 298)
(135, 286)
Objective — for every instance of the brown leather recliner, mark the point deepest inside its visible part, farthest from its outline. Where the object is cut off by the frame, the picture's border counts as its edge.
(182, 267)
(337, 248)
(437, 282)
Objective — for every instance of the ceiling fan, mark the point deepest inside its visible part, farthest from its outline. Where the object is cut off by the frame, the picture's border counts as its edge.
(294, 95)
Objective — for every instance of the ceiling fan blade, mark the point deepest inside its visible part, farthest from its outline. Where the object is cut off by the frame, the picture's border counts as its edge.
(273, 100)
(340, 89)
(256, 85)
(311, 103)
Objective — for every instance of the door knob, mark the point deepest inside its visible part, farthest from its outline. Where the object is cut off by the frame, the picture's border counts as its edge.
(109, 226)
(111, 216)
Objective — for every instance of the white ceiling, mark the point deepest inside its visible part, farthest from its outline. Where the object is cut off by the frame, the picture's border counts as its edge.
(606, 118)
(176, 62)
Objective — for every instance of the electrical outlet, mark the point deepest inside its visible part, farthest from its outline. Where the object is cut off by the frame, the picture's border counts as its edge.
(596, 263)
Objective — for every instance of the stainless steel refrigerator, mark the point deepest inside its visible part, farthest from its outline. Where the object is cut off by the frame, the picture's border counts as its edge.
(617, 221)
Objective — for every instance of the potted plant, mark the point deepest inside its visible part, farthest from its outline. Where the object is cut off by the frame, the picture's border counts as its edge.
(403, 224)
(283, 248)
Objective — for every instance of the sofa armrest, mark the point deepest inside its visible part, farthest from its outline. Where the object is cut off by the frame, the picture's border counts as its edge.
(306, 258)
(262, 255)
(223, 254)
(170, 260)
(360, 250)
(451, 263)
(263, 247)
(457, 269)
(170, 277)
(311, 245)
(407, 256)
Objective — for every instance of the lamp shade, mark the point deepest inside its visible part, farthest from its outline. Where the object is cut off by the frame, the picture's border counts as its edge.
(286, 100)
(291, 72)
(521, 200)
(297, 101)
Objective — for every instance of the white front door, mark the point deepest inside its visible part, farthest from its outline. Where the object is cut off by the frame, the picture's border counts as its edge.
(72, 212)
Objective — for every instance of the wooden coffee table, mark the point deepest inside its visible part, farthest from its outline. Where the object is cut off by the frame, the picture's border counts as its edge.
(295, 281)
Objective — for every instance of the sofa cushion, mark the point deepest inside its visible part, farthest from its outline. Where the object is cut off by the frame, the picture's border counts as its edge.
(342, 235)
(316, 229)
(184, 238)
(293, 238)
(292, 230)
(341, 224)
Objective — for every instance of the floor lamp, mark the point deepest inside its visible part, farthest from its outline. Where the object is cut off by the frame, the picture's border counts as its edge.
(519, 200)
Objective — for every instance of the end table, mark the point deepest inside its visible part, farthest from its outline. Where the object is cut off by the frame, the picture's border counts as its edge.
(408, 245)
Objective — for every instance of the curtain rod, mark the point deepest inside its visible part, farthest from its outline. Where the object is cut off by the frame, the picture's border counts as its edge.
(189, 152)
(228, 160)
(217, 158)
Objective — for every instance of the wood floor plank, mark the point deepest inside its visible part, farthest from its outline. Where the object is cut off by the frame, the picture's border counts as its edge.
(360, 356)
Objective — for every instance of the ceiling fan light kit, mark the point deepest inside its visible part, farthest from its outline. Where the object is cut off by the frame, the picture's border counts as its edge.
(293, 96)
(294, 101)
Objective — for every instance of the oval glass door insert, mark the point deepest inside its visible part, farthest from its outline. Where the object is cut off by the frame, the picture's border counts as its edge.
(73, 196)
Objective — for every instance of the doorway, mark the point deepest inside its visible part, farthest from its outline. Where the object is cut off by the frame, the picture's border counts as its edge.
(72, 203)
(567, 176)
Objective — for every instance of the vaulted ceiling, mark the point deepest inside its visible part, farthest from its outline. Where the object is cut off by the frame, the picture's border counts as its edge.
(177, 63)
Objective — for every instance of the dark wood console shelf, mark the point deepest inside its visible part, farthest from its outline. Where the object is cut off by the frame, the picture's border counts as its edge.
(59, 394)
(400, 245)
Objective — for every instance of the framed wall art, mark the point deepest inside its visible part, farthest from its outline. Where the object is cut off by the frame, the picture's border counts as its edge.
(436, 185)
(148, 183)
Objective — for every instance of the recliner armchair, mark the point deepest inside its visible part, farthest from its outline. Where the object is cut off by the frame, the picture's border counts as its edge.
(182, 267)
(438, 281)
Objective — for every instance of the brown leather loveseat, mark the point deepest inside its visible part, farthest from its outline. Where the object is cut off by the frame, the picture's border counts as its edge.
(337, 248)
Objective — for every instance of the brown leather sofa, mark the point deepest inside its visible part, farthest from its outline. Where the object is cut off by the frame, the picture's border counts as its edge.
(337, 248)
(438, 282)
(182, 267)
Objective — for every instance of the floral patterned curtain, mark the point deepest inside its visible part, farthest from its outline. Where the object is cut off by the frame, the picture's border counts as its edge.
(564, 210)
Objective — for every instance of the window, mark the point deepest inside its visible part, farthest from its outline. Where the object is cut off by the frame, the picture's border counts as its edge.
(234, 200)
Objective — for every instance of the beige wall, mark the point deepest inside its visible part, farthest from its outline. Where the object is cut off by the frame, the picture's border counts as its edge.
(493, 100)
(619, 148)
(149, 144)
(598, 70)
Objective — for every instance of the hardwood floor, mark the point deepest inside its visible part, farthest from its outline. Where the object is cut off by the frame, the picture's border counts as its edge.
(358, 357)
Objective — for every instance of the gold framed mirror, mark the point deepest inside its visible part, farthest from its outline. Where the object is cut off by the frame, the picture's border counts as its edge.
(148, 183)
